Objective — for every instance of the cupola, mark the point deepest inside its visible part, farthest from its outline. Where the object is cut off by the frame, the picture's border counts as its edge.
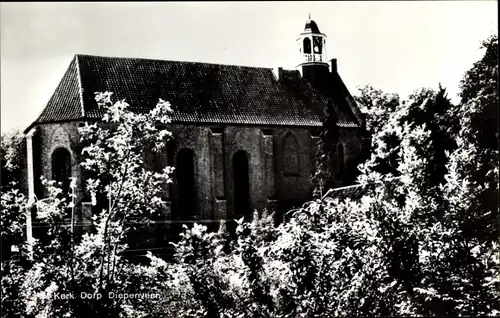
(312, 45)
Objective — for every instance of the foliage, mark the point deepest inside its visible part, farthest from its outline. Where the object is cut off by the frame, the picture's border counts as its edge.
(13, 223)
(480, 85)
(14, 267)
(421, 241)
(438, 206)
(11, 159)
(376, 106)
(390, 119)
(481, 78)
(13, 217)
(95, 263)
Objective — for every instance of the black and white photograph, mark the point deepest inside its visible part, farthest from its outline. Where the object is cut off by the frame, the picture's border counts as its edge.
(248, 159)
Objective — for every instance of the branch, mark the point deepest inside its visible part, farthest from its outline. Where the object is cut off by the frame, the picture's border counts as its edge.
(110, 214)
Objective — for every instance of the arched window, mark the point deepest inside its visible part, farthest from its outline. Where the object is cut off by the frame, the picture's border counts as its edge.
(241, 184)
(61, 167)
(186, 186)
(307, 46)
(290, 149)
(340, 159)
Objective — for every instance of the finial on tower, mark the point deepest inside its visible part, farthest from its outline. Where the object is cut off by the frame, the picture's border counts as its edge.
(309, 15)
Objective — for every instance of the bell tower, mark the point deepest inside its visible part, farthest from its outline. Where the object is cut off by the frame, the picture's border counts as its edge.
(312, 45)
(312, 48)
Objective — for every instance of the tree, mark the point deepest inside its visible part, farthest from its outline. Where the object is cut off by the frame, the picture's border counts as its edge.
(442, 202)
(376, 106)
(421, 241)
(96, 263)
(11, 159)
(387, 117)
(13, 223)
(480, 84)
(14, 267)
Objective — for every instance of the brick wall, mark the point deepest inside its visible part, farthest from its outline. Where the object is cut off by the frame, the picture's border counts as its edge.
(50, 138)
(214, 147)
(350, 138)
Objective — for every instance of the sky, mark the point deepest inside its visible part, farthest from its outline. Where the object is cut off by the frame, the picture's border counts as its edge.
(394, 46)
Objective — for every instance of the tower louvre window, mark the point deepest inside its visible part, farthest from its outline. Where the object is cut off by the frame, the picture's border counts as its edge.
(307, 46)
(318, 45)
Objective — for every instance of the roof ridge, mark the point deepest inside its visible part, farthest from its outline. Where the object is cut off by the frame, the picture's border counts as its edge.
(80, 88)
(174, 61)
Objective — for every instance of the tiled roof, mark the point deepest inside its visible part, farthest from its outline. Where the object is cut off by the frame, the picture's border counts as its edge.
(65, 103)
(198, 92)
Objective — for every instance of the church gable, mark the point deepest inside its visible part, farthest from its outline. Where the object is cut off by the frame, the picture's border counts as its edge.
(65, 104)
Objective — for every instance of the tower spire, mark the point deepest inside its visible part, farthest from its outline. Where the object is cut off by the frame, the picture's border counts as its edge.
(309, 15)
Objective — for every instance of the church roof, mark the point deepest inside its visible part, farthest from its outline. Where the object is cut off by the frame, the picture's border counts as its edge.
(311, 26)
(198, 92)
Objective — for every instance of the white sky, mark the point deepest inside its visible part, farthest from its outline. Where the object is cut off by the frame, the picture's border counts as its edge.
(394, 46)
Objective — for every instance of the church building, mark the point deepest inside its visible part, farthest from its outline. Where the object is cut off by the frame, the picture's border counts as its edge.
(245, 137)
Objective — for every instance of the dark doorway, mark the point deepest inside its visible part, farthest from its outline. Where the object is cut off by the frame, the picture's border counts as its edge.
(186, 188)
(241, 184)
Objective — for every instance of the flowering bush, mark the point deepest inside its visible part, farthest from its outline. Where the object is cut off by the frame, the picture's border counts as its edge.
(66, 266)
